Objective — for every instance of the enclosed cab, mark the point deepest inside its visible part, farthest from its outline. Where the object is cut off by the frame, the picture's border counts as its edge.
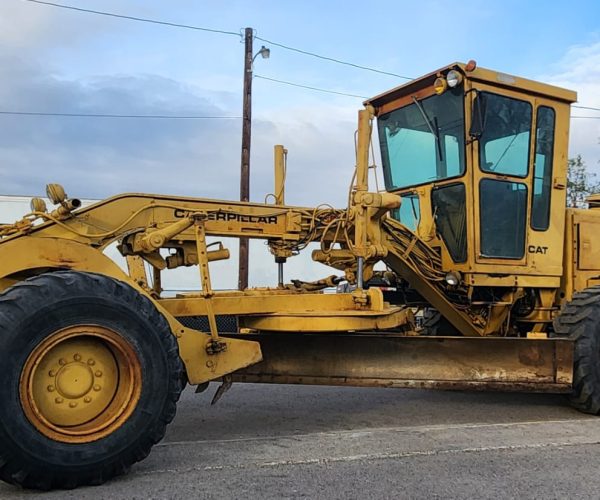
(480, 160)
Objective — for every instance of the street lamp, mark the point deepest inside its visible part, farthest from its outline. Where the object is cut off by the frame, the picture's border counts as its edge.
(264, 52)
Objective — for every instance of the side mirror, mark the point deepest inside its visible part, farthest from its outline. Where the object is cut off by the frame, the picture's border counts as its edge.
(478, 116)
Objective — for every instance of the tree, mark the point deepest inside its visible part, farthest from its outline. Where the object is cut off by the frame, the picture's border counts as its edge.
(580, 183)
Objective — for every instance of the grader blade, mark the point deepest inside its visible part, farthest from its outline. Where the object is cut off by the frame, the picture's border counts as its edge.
(387, 360)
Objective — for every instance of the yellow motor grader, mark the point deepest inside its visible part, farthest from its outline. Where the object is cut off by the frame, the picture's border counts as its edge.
(472, 229)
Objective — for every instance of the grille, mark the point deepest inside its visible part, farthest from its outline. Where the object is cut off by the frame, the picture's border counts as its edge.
(225, 323)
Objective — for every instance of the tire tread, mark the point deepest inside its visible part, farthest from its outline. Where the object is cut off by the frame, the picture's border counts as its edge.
(18, 301)
(579, 320)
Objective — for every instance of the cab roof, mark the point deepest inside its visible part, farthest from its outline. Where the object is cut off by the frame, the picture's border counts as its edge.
(477, 75)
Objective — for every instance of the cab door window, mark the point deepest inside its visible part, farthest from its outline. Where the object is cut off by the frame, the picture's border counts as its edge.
(503, 216)
(505, 134)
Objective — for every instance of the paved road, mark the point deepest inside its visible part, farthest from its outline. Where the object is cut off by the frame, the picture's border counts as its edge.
(264, 441)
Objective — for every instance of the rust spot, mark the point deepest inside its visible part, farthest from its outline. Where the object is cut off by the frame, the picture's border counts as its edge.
(531, 356)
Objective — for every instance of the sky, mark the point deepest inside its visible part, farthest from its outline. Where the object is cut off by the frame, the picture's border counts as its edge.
(57, 60)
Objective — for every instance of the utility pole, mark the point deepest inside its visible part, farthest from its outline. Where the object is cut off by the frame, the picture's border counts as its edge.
(246, 139)
(264, 52)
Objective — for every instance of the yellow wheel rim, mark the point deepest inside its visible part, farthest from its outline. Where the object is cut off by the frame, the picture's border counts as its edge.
(80, 384)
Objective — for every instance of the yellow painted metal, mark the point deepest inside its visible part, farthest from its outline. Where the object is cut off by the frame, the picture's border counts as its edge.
(153, 240)
(588, 241)
(537, 335)
(367, 208)
(365, 119)
(80, 384)
(332, 321)
(267, 301)
(360, 214)
(137, 271)
(581, 247)
(280, 174)
(26, 255)
(501, 80)
(503, 278)
(205, 278)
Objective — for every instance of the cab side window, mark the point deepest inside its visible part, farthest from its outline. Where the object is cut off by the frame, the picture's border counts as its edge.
(542, 172)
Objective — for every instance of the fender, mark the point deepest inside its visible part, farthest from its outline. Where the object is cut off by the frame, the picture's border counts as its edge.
(27, 256)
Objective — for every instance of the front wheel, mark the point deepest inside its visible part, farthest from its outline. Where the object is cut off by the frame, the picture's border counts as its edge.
(90, 378)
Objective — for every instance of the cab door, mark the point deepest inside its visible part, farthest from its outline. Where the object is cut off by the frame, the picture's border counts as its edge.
(502, 124)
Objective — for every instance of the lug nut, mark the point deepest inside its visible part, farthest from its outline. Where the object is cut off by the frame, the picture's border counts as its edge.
(87, 399)
(58, 400)
(72, 404)
(52, 373)
(50, 388)
(62, 361)
(77, 357)
(91, 362)
(98, 373)
(97, 387)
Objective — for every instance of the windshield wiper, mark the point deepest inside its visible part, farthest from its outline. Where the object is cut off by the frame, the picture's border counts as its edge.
(435, 131)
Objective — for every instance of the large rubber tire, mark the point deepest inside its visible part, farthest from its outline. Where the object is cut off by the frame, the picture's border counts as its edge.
(32, 312)
(434, 324)
(580, 320)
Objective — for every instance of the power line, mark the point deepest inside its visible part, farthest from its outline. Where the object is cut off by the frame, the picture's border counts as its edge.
(188, 26)
(309, 87)
(192, 117)
(585, 107)
(331, 59)
(110, 115)
(364, 97)
(134, 18)
(277, 44)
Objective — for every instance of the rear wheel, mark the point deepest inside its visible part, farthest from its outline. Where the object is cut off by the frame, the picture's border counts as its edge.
(90, 378)
(434, 324)
(580, 320)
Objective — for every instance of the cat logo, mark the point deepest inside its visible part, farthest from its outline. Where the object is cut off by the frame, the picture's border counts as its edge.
(536, 249)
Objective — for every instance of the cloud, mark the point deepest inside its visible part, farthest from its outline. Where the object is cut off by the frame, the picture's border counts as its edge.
(96, 157)
(579, 70)
(320, 144)
(28, 28)
(22, 26)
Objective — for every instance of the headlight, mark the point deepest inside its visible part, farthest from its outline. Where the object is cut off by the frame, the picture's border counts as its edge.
(453, 78)
(56, 193)
(37, 205)
(453, 278)
(440, 85)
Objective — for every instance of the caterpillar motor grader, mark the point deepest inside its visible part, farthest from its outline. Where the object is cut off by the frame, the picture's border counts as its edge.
(472, 228)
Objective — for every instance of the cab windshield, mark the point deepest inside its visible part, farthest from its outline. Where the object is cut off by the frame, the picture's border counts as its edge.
(424, 141)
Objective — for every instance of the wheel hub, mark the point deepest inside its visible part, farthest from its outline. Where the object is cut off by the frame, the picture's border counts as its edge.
(79, 382)
(74, 380)
(69, 391)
